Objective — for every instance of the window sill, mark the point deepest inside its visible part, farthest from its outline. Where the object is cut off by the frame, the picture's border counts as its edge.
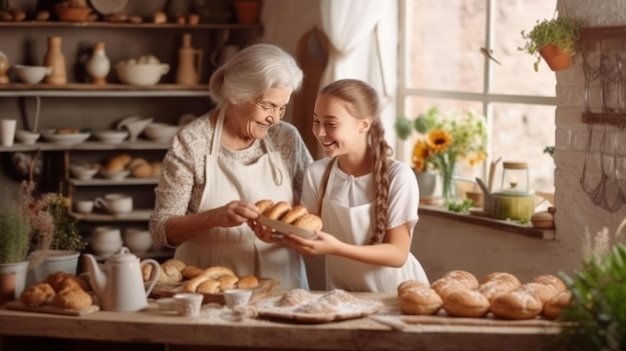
(501, 225)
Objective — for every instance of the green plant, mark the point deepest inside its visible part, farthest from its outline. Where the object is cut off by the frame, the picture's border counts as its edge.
(562, 32)
(14, 236)
(595, 319)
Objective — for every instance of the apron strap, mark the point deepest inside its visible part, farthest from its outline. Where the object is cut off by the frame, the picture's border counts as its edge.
(324, 184)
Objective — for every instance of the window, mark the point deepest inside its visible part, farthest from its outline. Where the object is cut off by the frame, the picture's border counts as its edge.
(442, 64)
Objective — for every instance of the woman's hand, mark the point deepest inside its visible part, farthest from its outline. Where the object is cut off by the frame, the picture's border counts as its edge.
(322, 244)
(234, 213)
(265, 234)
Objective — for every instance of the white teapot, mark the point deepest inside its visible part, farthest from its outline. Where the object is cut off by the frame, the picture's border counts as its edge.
(120, 286)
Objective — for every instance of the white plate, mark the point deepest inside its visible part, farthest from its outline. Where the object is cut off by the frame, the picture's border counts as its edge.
(284, 228)
(74, 138)
(105, 7)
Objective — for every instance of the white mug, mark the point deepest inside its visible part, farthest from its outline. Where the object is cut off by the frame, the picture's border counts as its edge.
(83, 206)
(115, 203)
(7, 131)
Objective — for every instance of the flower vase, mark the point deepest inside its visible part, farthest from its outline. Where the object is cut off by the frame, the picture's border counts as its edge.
(448, 192)
(427, 183)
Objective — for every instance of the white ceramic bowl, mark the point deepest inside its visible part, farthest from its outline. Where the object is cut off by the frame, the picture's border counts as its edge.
(141, 73)
(161, 132)
(105, 248)
(27, 137)
(237, 297)
(74, 138)
(31, 74)
(137, 240)
(83, 172)
(110, 136)
(119, 175)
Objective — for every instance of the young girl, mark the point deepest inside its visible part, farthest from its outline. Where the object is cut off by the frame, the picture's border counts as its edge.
(368, 201)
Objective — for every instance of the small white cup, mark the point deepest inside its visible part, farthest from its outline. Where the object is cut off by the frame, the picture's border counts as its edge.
(188, 304)
(7, 131)
(115, 203)
(237, 297)
(83, 206)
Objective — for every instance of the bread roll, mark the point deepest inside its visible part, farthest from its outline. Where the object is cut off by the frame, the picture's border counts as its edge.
(61, 280)
(140, 168)
(170, 274)
(493, 288)
(549, 279)
(176, 263)
(543, 292)
(445, 287)
(408, 284)
(309, 222)
(467, 279)
(209, 286)
(277, 210)
(248, 282)
(466, 303)
(73, 299)
(117, 163)
(37, 295)
(553, 308)
(293, 214)
(517, 304)
(263, 205)
(216, 272)
(190, 272)
(501, 277)
(420, 300)
(192, 285)
(227, 282)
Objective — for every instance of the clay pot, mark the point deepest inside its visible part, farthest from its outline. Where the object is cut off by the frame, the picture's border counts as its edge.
(556, 58)
(248, 11)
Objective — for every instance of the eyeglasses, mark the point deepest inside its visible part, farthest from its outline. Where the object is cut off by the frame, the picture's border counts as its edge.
(272, 109)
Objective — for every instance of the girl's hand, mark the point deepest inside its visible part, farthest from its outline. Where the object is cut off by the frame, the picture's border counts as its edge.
(322, 244)
(265, 234)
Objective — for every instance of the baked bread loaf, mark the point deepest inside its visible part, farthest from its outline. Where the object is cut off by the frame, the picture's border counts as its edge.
(61, 281)
(466, 279)
(445, 287)
(419, 300)
(190, 272)
(542, 292)
(171, 271)
(517, 304)
(140, 168)
(248, 282)
(216, 272)
(293, 214)
(277, 210)
(498, 283)
(117, 163)
(466, 303)
(227, 282)
(209, 286)
(263, 205)
(73, 299)
(408, 284)
(553, 308)
(549, 279)
(37, 294)
(309, 222)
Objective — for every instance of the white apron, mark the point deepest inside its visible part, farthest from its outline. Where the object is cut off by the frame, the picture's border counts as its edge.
(353, 226)
(238, 247)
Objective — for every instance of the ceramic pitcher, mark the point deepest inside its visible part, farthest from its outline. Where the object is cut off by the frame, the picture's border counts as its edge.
(98, 66)
(189, 63)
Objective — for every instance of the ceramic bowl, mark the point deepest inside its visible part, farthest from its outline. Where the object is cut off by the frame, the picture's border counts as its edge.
(137, 240)
(161, 132)
(106, 248)
(110, 136)
(237, 297)
(26, 137)
(120, 175)
(31, 74)
(135, 125)
(72, 13)
(83, 172)
(141, 73)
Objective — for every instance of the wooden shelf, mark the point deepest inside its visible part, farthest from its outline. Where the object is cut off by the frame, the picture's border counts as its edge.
(107, 182)
(138, 215)
(107, 90)
(145, 25)
(502, 225)
(87, 146)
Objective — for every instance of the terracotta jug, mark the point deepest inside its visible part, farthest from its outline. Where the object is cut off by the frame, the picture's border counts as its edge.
(55, 59)
(189, 63)
(98, 65)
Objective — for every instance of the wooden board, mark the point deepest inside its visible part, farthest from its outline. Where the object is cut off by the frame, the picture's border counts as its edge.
(264, 289)
(341, 311)
(18, 305)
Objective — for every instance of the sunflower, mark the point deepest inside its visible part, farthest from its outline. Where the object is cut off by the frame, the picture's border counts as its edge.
(439, 140)
(421, 152)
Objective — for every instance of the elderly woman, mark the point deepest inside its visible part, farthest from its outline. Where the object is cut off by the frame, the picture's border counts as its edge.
(219, 165)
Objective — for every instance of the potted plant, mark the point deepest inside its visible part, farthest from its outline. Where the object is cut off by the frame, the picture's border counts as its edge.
(58, 242)
(15, 239)
(595, 318)
(553, 40)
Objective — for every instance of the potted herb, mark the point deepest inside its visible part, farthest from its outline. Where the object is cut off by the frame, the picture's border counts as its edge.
(595, 318)
(553, 40)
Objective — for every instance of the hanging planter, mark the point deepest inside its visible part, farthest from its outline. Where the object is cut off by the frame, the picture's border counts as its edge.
(552, 39)
(556, 58)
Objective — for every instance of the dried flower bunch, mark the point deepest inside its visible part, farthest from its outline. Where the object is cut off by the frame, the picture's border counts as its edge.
(14, 233)
(53, 228)
(445, 138)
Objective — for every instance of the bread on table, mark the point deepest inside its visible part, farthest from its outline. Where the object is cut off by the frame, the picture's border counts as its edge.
(517, 304)
(248, 282)
(498, 283)
(553, 308)
(466, 303)
(419, 300)
(38, 294)
(73, 299)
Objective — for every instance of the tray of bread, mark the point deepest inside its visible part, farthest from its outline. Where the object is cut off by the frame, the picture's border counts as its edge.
(499, 298)
(285, 219)
(60, 293)
(177, 277)
(303, 306)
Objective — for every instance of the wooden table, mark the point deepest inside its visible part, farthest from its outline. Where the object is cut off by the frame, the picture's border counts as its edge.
(216, 328)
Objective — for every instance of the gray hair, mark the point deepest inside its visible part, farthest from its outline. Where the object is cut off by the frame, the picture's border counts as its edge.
(251, 72)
